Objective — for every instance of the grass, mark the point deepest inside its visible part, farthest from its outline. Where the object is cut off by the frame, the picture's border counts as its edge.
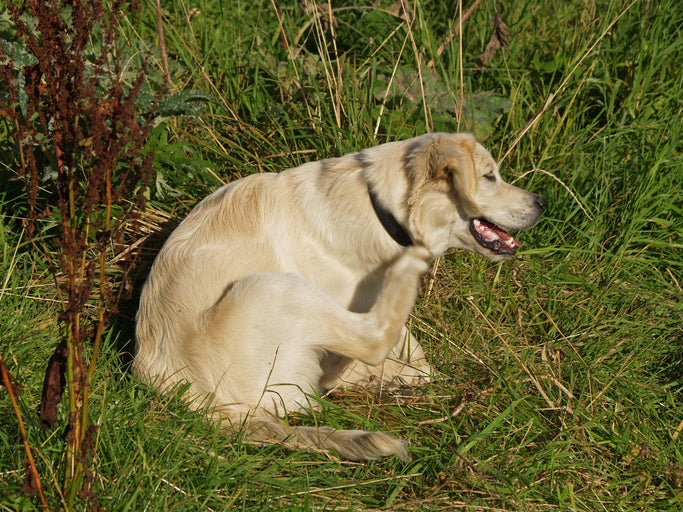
(559, 374)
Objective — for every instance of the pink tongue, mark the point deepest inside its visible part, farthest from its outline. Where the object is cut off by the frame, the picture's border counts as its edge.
(491, 233)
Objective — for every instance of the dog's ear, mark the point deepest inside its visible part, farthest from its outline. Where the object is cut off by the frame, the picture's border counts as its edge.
(428, 157)
(453, 167)
(445, 162)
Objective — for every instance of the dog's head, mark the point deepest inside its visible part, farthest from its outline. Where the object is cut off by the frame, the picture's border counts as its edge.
(457, 199)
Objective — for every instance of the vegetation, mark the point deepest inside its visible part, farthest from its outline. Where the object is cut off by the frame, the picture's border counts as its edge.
(560, 375)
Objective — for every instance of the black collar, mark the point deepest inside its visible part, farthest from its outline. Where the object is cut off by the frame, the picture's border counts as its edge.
(389, 222)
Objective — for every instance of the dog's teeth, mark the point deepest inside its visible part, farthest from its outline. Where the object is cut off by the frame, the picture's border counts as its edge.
(495, 238)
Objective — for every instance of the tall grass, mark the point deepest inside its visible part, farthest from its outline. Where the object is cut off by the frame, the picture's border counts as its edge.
(559, 374)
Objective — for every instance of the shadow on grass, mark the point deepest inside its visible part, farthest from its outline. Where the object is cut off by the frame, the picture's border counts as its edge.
(123, 323)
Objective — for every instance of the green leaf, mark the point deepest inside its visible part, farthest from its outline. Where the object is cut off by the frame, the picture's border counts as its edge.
(185, 103)
(15, 55)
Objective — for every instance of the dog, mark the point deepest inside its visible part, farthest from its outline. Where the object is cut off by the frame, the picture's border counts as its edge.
(280, 286)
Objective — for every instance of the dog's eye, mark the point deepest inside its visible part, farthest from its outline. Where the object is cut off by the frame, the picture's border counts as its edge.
(490, 177)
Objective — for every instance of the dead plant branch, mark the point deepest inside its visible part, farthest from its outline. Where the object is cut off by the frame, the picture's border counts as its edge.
(32, 483)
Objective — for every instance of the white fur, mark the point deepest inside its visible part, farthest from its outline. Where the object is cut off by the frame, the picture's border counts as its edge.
(280, 286)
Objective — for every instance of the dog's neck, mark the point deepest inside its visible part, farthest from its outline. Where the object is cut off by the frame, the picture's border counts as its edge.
(389, 222)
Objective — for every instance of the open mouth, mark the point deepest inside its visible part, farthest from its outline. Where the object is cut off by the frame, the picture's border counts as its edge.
(493, 238)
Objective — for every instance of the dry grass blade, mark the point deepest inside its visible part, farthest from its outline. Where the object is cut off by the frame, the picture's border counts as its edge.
(551, 97)
(562, 183)
(10, 269)
(352, 486)
(532, 377)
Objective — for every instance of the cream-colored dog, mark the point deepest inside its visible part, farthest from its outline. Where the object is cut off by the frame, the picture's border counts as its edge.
(278, 287)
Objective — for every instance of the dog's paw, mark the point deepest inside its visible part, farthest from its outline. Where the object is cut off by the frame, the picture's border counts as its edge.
(417, 257)
(420, 252)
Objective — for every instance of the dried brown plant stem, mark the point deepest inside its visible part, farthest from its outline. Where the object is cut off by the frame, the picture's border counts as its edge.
(456, 30)
(96, 141)
(162, 44)
(12, 392)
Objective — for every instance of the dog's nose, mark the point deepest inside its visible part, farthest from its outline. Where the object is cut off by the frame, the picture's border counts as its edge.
(540, 202)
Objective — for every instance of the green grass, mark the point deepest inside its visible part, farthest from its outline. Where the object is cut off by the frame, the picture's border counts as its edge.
(559, 384)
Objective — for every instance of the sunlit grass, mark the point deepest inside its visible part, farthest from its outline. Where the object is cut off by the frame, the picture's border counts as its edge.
(559, 374)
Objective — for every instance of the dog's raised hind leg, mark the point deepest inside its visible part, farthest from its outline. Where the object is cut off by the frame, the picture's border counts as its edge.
(370, 337)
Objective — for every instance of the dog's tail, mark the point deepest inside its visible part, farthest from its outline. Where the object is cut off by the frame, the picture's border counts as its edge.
(357, 445)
